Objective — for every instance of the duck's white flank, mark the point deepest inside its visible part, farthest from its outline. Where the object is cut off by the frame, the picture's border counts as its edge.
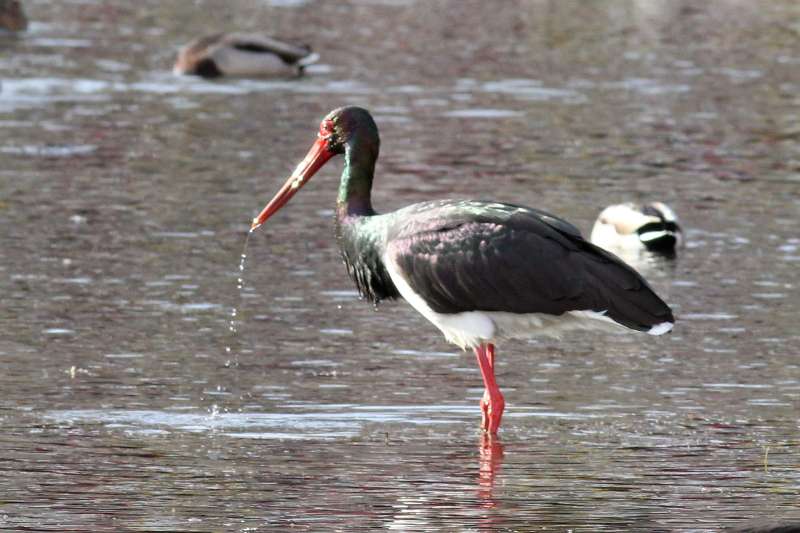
(472, 328)
(615, 228)
(236, 62)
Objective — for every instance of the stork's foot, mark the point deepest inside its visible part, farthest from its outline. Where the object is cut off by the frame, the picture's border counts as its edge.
(492, 406)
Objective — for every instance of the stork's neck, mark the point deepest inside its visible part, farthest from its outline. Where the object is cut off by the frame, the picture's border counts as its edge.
(355, 188)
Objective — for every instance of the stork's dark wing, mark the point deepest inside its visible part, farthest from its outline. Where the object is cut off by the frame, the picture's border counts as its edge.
(497, 257)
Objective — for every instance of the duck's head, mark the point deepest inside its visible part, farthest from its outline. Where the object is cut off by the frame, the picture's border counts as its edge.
(12, 18)
(341, 130)
(195, 58)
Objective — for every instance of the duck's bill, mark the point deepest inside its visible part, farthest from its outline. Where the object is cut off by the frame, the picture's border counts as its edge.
(311, 163)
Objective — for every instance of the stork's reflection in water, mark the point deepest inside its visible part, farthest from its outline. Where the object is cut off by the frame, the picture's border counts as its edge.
(491, 460)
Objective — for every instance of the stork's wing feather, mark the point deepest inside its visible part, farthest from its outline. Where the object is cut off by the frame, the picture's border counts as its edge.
(513, 259)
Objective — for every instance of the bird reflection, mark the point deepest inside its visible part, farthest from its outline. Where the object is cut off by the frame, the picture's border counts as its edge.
(491, 459)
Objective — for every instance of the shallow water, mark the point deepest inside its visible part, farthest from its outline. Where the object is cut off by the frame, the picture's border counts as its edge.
(126, 195)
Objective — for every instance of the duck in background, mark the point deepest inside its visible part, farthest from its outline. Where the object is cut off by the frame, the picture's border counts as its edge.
(630, 229)
(12, 17)
(242, 55)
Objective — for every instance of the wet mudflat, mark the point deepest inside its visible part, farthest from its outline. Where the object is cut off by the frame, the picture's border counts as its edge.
(125, 194)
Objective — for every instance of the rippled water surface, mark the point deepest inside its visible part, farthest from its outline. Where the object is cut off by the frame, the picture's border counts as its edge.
(129, 404)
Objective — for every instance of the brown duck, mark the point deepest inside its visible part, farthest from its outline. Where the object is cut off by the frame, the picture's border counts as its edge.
(242, 55)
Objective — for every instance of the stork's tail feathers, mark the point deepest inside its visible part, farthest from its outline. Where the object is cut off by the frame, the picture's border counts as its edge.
(660, 329)
(628, 298)
(310, 59)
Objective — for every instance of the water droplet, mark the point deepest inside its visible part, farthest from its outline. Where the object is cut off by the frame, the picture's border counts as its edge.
(232, 327)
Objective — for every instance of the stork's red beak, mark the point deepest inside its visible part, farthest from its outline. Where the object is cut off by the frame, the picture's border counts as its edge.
(311, 163)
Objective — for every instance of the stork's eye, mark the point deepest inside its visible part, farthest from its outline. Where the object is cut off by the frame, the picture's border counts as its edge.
(326, 129)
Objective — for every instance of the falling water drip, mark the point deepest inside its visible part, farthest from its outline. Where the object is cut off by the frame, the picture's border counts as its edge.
(232, 322)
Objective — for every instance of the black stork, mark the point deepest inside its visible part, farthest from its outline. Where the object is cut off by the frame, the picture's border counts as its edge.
(480, 271)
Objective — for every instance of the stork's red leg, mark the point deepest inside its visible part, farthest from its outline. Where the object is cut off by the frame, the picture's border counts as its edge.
(488, 356)
(492, 403)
